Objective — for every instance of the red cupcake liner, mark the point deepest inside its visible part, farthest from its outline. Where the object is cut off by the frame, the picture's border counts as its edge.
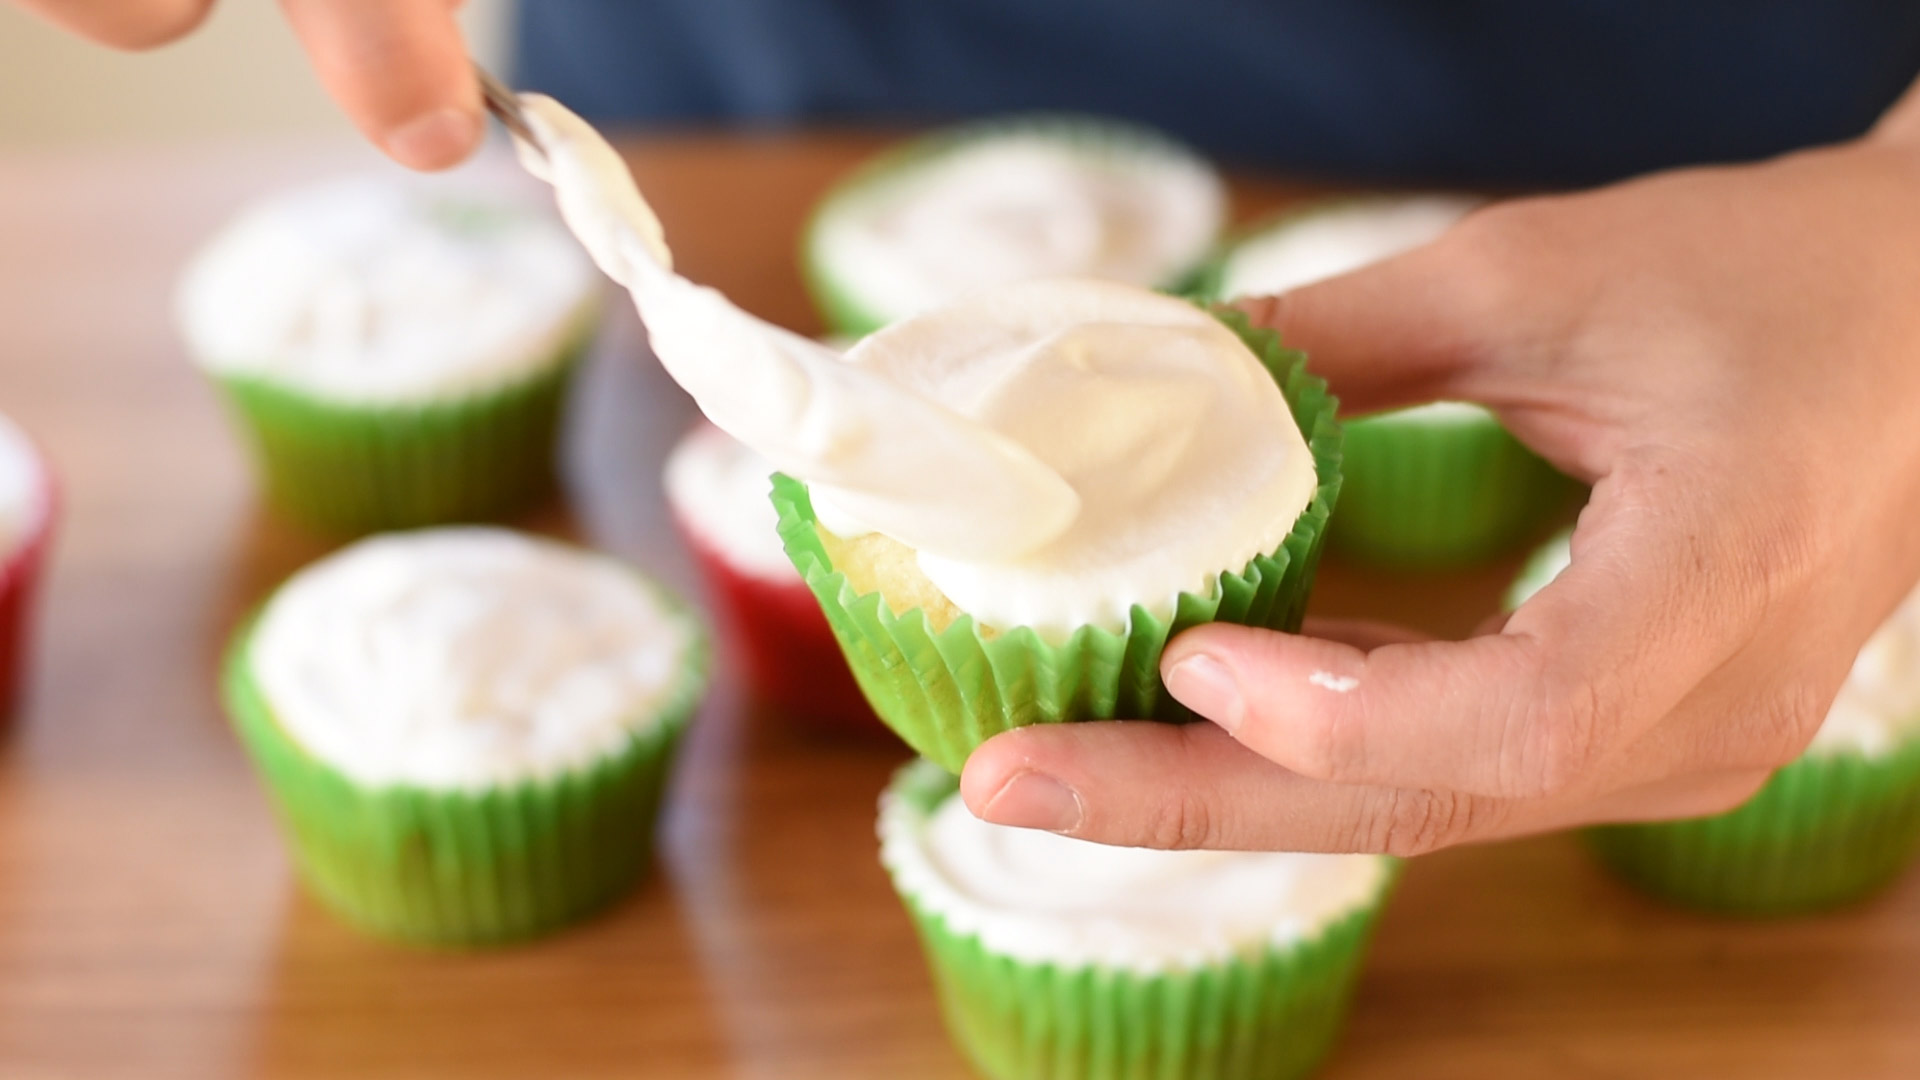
(776, 632)
(19, 587)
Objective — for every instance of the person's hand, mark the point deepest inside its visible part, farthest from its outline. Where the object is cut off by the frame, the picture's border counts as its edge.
(1732, 357)
(398, 67)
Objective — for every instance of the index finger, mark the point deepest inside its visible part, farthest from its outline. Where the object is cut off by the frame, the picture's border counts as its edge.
(1580, 670)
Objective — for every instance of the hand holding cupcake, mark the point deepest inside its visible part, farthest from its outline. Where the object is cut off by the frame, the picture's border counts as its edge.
(1011, 502)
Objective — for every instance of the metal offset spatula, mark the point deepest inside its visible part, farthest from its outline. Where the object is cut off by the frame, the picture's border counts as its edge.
(504, 104)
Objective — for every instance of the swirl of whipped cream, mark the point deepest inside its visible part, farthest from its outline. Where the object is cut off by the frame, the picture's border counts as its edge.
(1878, 708)
(466, 657)
(23, 494)
(386, 290)
(1045, 898)
(1055, 451)
(1022, 203)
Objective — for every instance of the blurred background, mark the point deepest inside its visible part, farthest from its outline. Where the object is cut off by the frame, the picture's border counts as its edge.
(241, 75)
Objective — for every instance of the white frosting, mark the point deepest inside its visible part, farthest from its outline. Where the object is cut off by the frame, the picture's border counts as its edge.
(719, 490)
(1436, 412)
(1335, 239)
(1043, 898)
(1346, 236)
(468, 657)
(1878, 708)
(1018, 205)
(1048, 448)
(387, 289)
(23, 494)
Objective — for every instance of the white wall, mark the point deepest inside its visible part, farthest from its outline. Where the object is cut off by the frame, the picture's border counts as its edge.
(241, 74)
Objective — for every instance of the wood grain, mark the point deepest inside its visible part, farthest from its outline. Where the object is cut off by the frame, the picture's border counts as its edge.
(149, 926)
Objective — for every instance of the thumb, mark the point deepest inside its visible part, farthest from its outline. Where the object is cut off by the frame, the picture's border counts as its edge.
(1400, 331)
(400, 70)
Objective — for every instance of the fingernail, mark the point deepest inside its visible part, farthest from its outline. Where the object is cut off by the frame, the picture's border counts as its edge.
(1034, 800)
(435, 140)
(1207, 686)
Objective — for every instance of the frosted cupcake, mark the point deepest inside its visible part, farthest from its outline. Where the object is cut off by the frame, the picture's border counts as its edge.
(1005, 200)
(718, 491)
(1071, 960)
(396, 350)
(1436, 485)
(1833, 826)
(26, 521)
(1004, 506)
(466, 732)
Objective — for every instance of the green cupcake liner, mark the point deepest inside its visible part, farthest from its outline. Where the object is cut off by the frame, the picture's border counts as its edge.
(459, 867)
(840, 306)
(1826, 830)
(1430, 494)
(1269, 1015)
(948, 691)
(351, 468)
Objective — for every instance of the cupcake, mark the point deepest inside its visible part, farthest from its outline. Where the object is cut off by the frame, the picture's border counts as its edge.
(997, 201)
(1005, 506)
(396, 350)
(718, 491)
(1833, 826)
(1200, 492)
(466, 732)
(1431, 486)
(1070, 960)
(26, 520)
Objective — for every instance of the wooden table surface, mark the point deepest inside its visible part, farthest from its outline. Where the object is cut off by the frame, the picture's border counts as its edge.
(149, 926)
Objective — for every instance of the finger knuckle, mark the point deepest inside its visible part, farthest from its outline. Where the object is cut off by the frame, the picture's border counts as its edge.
(1415, 822)
(1489, 254)
(1784, 720)
(1182, 822)
(1564, 734)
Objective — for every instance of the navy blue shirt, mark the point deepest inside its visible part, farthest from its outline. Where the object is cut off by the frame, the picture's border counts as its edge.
(1517, 91)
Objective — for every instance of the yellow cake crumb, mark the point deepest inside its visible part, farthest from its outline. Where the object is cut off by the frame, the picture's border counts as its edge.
(876, 563)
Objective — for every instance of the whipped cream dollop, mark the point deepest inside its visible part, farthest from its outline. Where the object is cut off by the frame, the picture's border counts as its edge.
(718, 488)
(1878, 707)
(1345, 236)
(466, 657)
(1045, 898)
(23, 494)
(1054, 451)
(387, 289)
(1070, 200)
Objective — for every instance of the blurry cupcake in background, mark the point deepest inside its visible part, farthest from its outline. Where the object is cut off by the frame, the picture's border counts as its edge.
(26, 524)
(396, 349)
(466, 732)
(1069, 960)
(1432, 486)
(1005, 200)
(718, 489)
(1833, 826)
